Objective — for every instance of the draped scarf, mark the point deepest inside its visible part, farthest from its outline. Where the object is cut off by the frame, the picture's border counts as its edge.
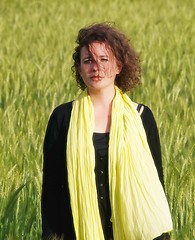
(139, 206)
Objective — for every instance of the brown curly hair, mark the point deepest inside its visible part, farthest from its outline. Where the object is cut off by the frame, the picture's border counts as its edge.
(120, 46)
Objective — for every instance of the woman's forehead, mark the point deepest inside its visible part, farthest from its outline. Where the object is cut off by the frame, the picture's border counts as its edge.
(97, 49)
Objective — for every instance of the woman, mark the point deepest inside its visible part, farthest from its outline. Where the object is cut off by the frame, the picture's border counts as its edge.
(102, 174)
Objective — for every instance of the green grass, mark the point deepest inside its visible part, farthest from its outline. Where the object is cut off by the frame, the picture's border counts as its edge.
(36, 43)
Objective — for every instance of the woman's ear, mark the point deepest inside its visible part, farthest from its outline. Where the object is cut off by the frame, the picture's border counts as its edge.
(119, 67)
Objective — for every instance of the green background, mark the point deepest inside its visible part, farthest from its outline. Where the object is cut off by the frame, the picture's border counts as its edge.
(37, 39)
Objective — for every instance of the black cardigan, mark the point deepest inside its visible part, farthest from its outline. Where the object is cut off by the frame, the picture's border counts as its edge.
(55, 203)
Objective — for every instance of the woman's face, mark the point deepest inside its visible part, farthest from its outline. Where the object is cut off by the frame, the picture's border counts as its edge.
(98, 66)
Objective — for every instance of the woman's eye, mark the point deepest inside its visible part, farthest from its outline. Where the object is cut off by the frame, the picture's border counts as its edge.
(104, 59)
(87, 60)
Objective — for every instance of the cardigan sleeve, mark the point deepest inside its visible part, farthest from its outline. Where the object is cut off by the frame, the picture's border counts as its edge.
(55, 201)
(51, 181)
(152, 134)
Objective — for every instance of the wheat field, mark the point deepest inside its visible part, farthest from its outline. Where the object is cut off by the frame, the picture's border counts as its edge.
(37, 39)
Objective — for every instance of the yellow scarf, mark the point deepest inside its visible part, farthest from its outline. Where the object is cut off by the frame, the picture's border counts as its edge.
(139, 207)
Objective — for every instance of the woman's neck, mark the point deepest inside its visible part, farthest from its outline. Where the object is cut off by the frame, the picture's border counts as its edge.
(103, 97)
(102, 105)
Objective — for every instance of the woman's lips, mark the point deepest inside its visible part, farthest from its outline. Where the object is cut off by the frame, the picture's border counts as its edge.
(96, 78)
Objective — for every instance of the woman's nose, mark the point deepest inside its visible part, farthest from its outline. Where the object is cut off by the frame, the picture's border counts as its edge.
(95, 66)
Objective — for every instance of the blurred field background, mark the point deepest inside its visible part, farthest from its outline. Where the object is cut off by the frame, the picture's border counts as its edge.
(37, 39)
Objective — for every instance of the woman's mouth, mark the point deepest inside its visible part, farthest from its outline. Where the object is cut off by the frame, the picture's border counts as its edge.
(96, 78)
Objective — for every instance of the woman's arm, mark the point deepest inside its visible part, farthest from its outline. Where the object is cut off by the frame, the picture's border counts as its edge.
(55, 203)
(152, 134)
(50, 183)
(155, 148)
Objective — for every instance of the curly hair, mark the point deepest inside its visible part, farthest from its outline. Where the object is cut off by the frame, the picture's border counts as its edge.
(120, 46)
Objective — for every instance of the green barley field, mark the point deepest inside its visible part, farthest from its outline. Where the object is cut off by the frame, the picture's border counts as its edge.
(37, 38)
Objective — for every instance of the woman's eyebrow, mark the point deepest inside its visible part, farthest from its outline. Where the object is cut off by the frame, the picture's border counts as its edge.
(86, 57)
(91, 57)
(104, 56)
(100, 56)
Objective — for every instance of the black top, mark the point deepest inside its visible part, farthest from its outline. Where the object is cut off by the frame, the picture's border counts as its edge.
(100, 141)
(55, 204)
